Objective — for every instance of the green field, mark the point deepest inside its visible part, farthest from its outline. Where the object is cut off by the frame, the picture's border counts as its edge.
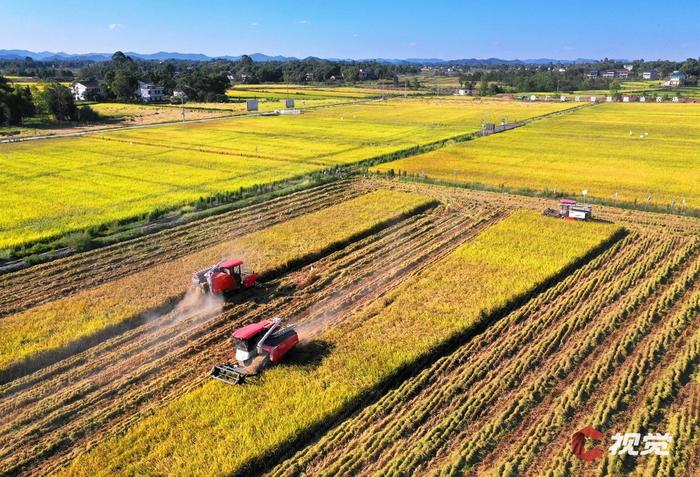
(60, 185)
(641, 151)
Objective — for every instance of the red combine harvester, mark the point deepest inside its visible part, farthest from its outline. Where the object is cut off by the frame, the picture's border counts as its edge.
(570, 209)
(224, 277)
(258, 345)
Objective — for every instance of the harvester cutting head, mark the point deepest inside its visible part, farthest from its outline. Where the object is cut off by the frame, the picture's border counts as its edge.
(257, 345)
(224, 277)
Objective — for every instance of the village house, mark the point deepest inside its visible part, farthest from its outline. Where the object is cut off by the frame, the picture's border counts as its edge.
(149, 92)
(677, 79)
(83, 90)
(650, 75)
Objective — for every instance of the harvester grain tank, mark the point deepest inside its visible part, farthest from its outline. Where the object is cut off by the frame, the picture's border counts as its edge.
(224, 277)
(257, 345)
(570, 209)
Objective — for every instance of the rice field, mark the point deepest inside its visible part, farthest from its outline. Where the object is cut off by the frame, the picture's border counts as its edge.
(454, 295)
(270, 250)
(278, 91)
(631, 153)
(467, 335)
(56, 186)
(133, 114)
(271, 104)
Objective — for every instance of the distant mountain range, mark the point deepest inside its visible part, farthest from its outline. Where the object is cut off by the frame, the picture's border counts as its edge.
(259, 57)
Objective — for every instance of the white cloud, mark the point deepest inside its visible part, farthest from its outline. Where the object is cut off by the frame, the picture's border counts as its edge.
(303, 22)
(254, 24)
(412, 44)
(115, 26)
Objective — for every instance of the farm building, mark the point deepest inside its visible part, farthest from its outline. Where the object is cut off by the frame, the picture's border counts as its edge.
(650, 75)
(149, 92)
(592, 74)
(623, 74)
(83, 90)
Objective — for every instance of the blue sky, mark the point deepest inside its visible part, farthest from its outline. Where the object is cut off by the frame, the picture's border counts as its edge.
(359, 28)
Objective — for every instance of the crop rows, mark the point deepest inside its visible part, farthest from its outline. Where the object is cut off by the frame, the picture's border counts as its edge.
(367, 350)
(475, 409)
(48, 415)
(428, 384)
(665, 225)
(60, 278)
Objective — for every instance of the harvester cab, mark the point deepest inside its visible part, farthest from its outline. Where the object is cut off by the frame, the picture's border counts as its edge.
(258, 345)
(224, 277)
(570, 209)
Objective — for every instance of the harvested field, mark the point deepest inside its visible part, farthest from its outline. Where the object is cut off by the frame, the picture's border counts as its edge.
(363, 351)
(51, 327)
(507, 402)
(595, 346)
(133, 364)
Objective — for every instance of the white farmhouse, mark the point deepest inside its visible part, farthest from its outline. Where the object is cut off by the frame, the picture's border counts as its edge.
(83, 90)
(677, 79)
(149, 92)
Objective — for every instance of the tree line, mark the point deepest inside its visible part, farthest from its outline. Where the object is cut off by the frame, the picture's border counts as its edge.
(549, 78)
(17, 103)
(208, 81)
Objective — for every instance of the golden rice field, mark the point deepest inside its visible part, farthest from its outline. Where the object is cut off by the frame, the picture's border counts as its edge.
(277, 91)
(150, 114)
(227, 429)
(638, 151)
(339, 135)
(61, 322)
(264, 105)
(38, 85)
(56, 186)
